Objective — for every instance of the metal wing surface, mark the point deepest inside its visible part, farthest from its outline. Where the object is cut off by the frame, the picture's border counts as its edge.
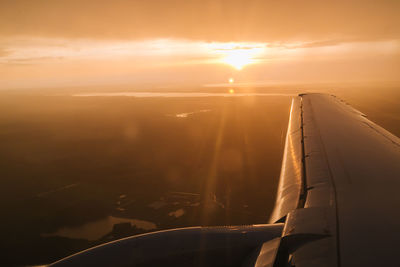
(339, 185)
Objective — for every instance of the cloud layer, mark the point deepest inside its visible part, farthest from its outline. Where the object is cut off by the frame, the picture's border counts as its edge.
(209, 20)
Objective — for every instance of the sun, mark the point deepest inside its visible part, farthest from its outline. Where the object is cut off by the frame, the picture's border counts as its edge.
(238, 58)
(237, 55)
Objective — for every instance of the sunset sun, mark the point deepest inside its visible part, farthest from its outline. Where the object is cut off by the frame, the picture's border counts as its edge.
(237, 55)
(238, 59)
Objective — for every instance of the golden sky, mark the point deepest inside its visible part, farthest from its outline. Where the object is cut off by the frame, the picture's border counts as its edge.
(70, 42)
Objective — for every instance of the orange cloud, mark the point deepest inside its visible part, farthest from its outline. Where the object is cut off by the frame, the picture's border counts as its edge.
(210, 20)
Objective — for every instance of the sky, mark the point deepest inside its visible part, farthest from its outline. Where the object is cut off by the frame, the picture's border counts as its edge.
(50, 43)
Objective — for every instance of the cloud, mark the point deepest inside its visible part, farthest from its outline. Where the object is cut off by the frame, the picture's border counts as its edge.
(4, 52)
(239, 47)
(30, 60)
(314, 44)
(209, 20)
(321, 43)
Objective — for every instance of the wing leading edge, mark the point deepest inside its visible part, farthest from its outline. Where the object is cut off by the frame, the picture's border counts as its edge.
(350, 181)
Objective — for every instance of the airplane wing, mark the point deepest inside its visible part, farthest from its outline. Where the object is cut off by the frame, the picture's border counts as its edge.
(339, 187)
(337, 204)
